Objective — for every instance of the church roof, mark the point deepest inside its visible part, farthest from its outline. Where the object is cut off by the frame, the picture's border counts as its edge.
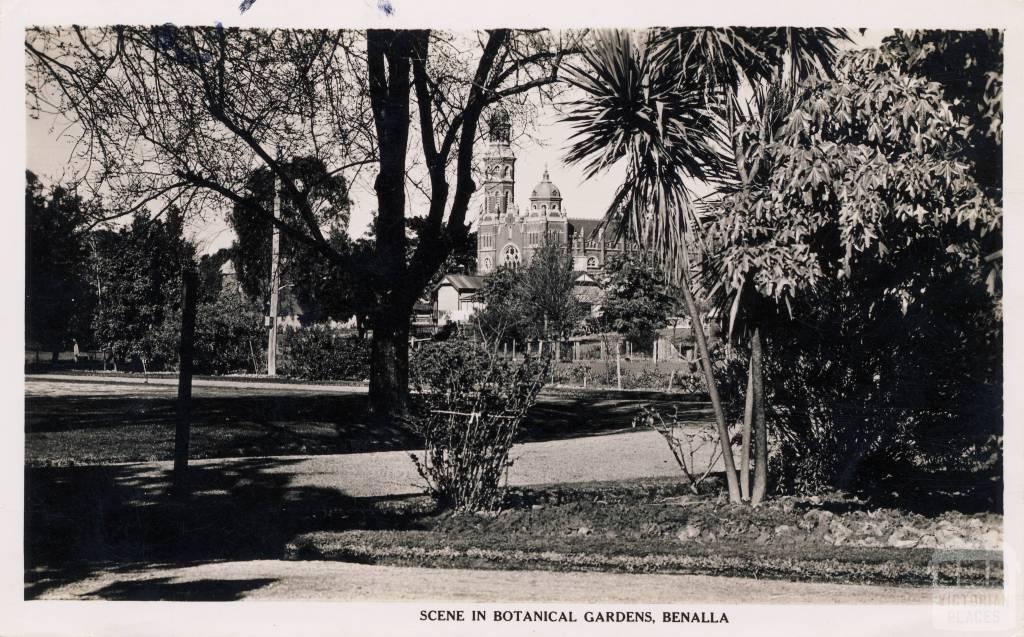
(545, 189)
(584, 228)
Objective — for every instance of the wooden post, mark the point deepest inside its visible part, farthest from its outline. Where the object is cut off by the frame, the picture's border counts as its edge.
(671, 379)
(186, 350)
(275, 284)
(618, 367)
(513, 349)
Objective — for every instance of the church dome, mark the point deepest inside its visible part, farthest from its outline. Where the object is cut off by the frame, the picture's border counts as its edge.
(545, 189)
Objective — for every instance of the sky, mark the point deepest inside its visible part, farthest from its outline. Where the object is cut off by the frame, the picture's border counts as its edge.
(50, 140)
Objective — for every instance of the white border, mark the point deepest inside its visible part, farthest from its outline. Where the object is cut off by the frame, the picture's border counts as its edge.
(278, 618)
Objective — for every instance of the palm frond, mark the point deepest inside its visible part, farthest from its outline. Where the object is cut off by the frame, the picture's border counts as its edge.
(635, 110)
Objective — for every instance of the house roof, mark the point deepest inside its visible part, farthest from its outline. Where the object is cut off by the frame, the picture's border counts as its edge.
(463, 282)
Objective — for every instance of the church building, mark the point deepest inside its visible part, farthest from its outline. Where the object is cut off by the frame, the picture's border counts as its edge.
(509, 235)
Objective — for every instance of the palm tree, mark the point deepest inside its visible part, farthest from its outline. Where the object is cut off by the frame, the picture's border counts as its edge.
(661, 101)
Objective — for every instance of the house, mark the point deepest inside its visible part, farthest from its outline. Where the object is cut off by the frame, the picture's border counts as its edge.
(456, 297)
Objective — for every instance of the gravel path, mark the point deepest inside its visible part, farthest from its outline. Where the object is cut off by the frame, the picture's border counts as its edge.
(325, 581)
(623, 456)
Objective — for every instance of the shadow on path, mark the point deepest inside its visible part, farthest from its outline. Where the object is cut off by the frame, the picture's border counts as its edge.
(162, 588)
(79, 520)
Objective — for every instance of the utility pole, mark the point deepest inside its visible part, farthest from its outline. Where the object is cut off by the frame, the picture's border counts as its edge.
(275, 284)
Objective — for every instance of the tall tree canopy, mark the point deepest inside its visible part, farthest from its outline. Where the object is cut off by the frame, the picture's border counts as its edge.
(139, 306)
(58, 294)
(188, 113)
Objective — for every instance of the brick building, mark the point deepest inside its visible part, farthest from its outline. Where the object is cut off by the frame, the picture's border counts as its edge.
(509, 235)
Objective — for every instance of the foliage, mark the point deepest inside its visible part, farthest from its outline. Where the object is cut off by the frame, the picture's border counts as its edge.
(864, 219)
(139, 304)
(866, 396)
(471, 404)
(638, 299)
(59, 297)
(229, 336)
(317, 286)
(536, 302)
(320, 352)
(968, 67)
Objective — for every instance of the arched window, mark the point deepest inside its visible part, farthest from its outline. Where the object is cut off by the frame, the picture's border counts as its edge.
(488, 264)
(510, 255)
(508, 200)
(591, 262)
(508, 171)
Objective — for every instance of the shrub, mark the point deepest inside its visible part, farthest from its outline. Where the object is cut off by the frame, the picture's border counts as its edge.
(470, 404)
(320, 352)
(230, 336)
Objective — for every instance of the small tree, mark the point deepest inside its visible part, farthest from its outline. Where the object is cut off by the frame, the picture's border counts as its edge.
(638, 299)
(864, 201)
(536, 302)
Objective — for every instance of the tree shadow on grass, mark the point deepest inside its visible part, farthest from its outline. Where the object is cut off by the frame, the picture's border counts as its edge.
(84, 520)
(81, 429)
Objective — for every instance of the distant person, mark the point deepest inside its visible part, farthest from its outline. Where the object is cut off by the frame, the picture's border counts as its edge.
(75, 350)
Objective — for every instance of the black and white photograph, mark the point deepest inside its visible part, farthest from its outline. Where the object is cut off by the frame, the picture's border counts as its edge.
(601, 325)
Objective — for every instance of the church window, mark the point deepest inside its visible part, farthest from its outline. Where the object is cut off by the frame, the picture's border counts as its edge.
(510, 256)
(488, 264)
(591, 262)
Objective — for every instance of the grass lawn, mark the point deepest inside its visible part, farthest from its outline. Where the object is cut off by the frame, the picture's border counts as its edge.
(130, 423)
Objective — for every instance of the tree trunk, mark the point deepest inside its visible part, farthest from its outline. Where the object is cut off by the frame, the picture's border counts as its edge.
(716, 402)
(748, 415)
(389, 369)
(760, 425)
(185, 355)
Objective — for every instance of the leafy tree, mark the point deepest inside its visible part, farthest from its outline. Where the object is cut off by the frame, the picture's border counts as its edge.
(211, 280)
(230, 336)
(638, 299)
(58, 295)
(139, 312)
(187, 113)
(305, 276)
(862, 199)
(536, 302)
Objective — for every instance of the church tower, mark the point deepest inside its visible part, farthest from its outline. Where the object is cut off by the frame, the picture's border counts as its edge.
(499, 189)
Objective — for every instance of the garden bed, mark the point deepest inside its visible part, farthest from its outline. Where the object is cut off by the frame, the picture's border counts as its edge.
(655, 527)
